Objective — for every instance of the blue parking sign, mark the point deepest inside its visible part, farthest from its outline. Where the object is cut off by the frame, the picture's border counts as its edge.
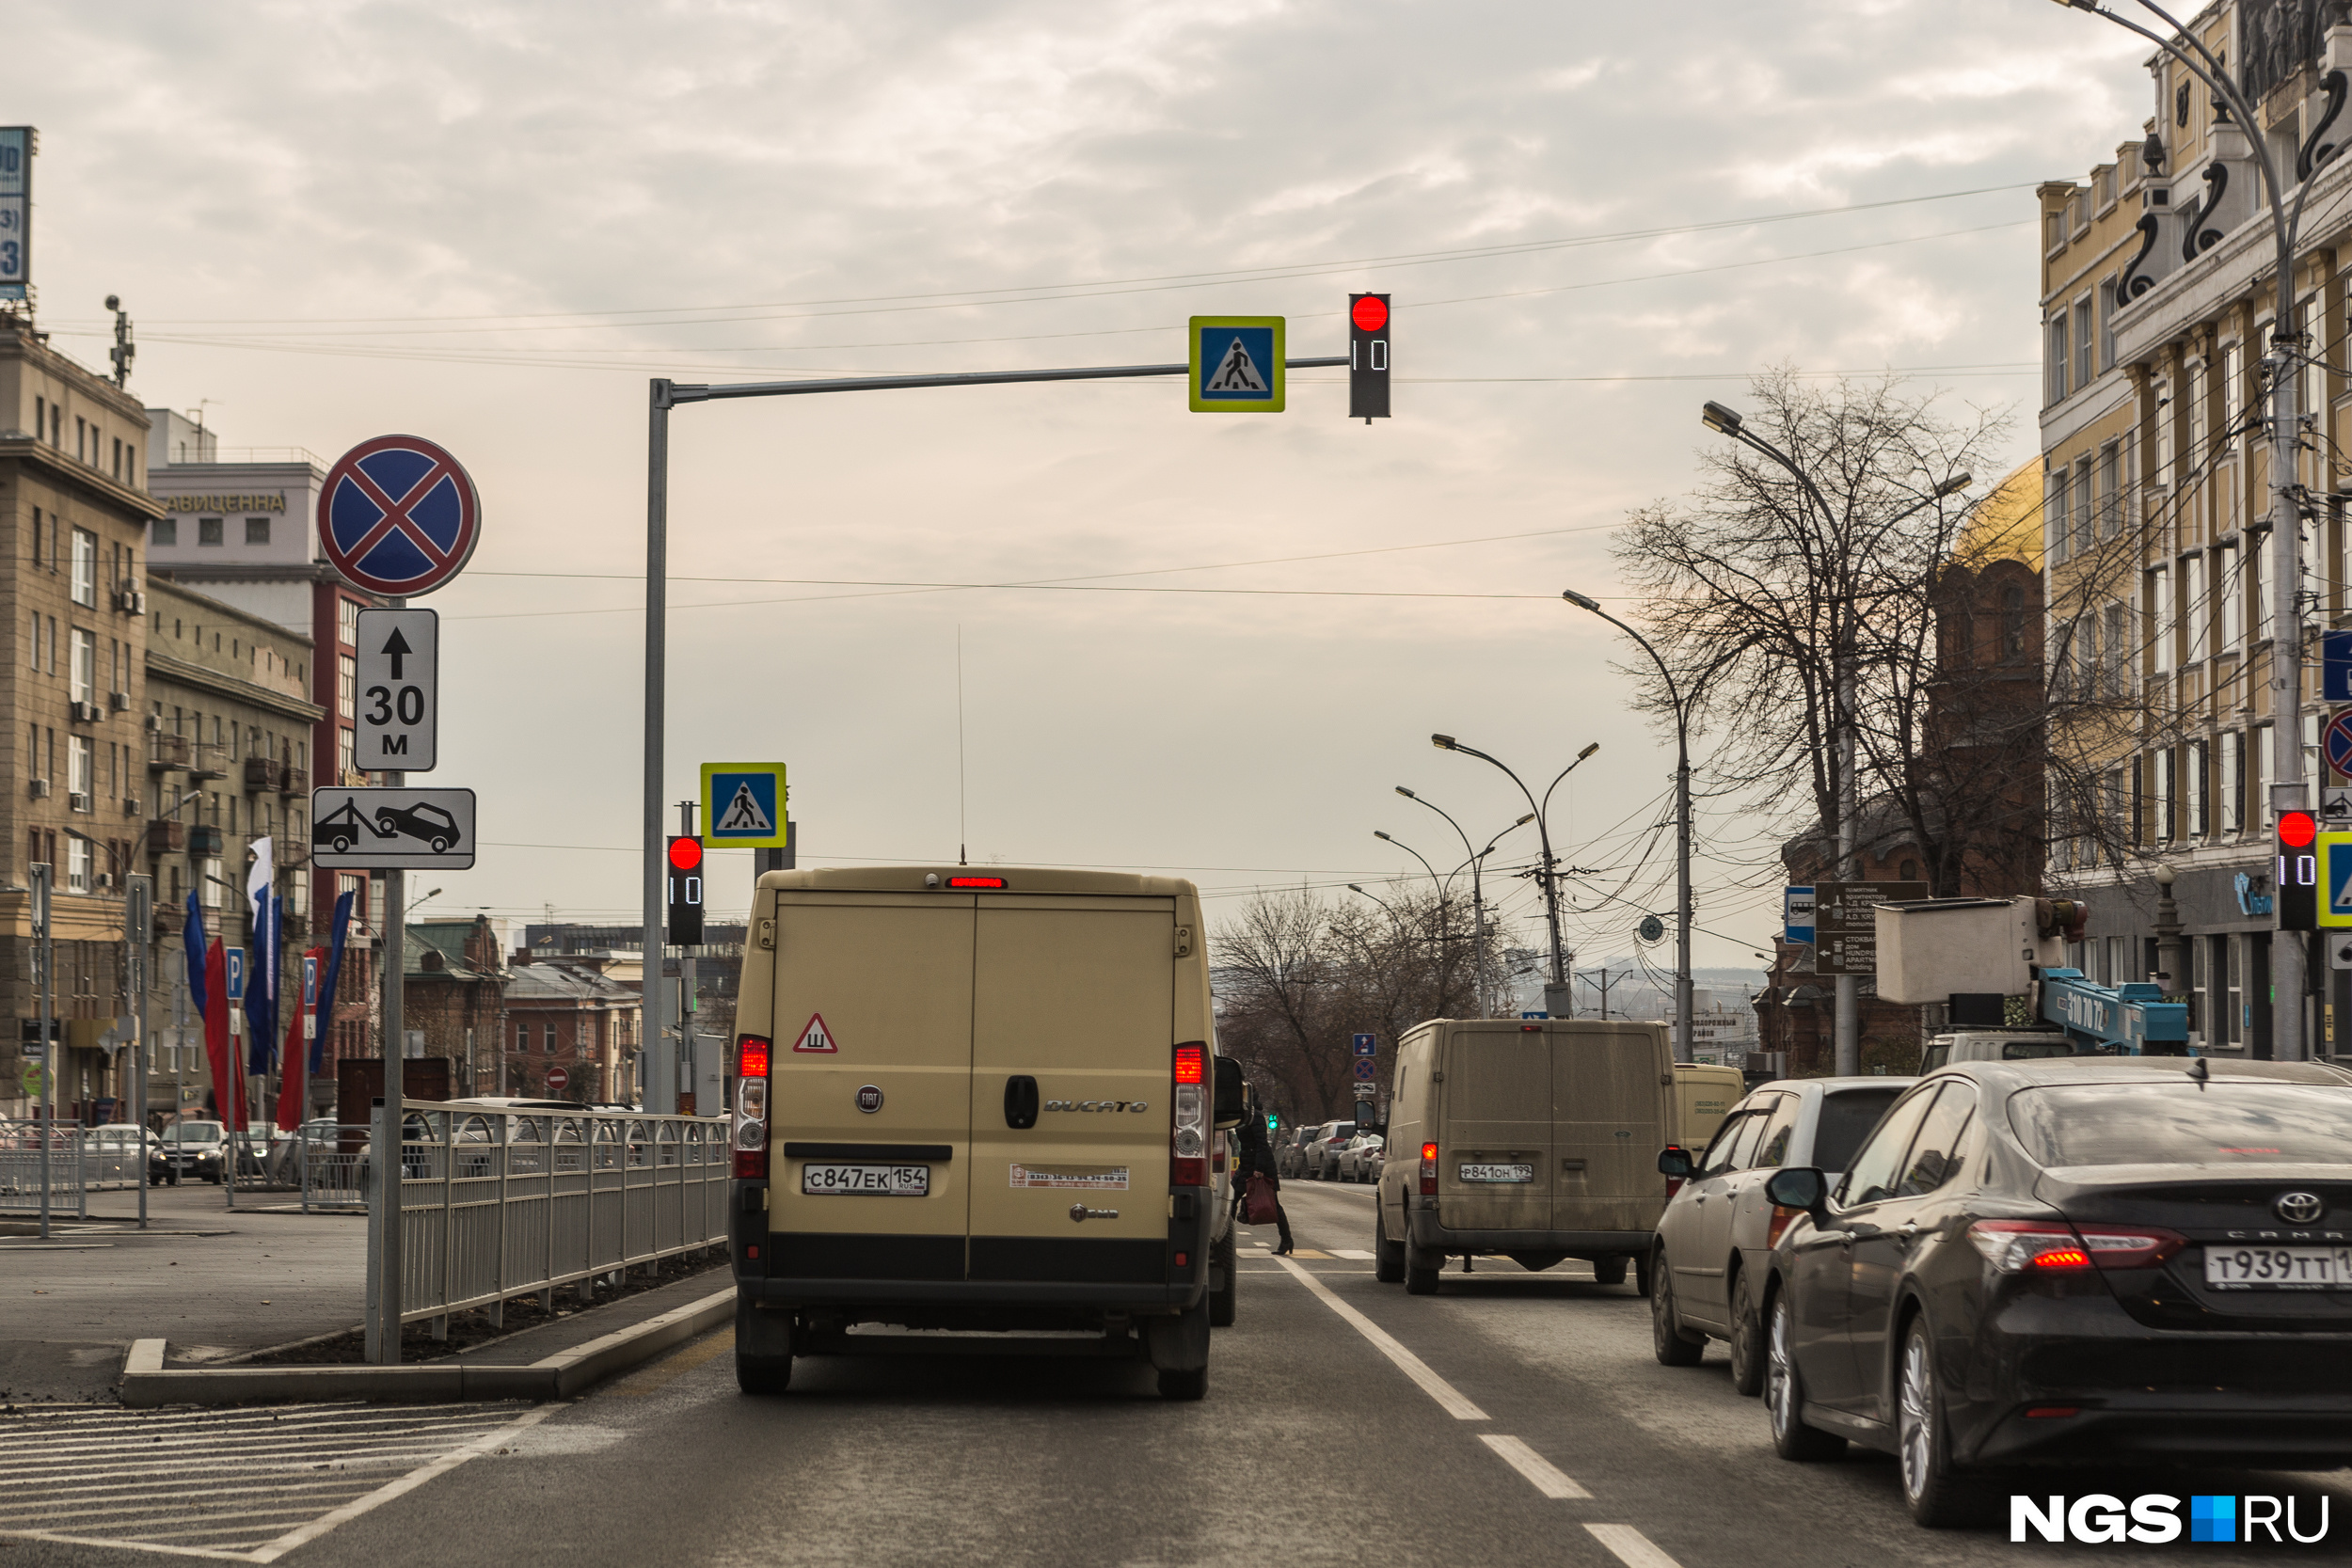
(236, 973)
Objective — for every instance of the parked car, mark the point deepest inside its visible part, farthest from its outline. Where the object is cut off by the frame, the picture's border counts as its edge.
(1352, 1164)
(1290, 1154)
(320, 1136)
(118, 1152)
(1713, 1249)
(193, 1149)
(1322, 1151)
(2126, 1261)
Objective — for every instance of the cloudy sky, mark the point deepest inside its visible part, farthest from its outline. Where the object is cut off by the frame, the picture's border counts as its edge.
(491, 223)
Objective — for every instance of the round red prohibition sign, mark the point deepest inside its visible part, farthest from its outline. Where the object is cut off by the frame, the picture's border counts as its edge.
(558, 1080)
(398, 515)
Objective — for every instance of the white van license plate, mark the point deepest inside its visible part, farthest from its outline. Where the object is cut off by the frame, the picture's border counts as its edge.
(1498, 1173)
(2279, 1268)
(866, 1180)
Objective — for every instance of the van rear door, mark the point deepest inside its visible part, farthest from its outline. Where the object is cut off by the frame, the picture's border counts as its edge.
(1495, 1159)
(1611, 1111)
(1074, 994)
(872, 1088)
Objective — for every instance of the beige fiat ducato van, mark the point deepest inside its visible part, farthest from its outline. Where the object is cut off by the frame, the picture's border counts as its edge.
(1537, 1140)
(979, 1100)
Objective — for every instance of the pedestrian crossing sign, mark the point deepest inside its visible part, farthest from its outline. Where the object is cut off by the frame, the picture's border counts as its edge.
(2335, 860)
(743, 805)
(1237, 365)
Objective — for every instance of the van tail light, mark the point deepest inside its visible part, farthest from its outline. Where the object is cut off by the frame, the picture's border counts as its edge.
(1429, 1170)
(1188, 1118)
(750, 1133)
(2032, 1246)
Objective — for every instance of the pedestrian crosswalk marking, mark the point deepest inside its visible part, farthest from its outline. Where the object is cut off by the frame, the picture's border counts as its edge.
(743, 814)
(1352, 1254)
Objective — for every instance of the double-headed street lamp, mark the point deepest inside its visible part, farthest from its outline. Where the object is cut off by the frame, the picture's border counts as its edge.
(1843, 701)
(1557, 1002)
(1478, 895)
(2288, 347)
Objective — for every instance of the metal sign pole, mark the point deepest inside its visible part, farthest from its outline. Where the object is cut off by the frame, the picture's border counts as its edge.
(44, 956)
(138, 914)
(659, 1087)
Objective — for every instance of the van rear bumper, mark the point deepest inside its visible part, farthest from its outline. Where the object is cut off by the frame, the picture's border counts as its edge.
(1423, 1231)
(1172, 1297)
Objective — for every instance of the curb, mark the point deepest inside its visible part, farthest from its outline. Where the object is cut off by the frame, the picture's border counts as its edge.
(146, 1382)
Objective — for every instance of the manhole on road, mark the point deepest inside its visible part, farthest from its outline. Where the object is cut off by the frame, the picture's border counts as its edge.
(245, 1485)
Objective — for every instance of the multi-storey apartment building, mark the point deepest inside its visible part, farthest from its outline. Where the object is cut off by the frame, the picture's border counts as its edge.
(2158, 281)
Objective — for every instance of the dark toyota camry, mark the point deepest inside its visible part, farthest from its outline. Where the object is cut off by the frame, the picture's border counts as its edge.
(2126, 1260)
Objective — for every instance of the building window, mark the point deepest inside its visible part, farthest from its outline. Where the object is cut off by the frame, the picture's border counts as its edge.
(2257, 779)
(2162, 627)
(2106, 323)
(77, 860)
(347, 622)
(166, 535)
(2226, 998)
(2086, 343)
(2061, 361)
(548, 1035)
(2085, 513)
(2197, 591)
(2233, 395)
(80, 780)
(2110, 490)
(257, 530)
(208, 530)
(2119, 651)
(347, 686)
(2054, 484)
(85, 568)
(2232, 780)
(2258, 585)
(81, 666)
(2194, 790)
(2166, 761)
(2232, 593)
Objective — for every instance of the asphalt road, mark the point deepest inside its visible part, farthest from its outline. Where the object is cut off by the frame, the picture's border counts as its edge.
(1514, 1418)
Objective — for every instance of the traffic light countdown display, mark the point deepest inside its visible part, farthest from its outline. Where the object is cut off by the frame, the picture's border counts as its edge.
(686, 892)
(1367, 356)
(2298, 871)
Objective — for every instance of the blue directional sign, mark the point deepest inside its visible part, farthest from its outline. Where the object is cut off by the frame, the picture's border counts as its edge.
(2335, 666)
(1237, 364)
(1367, 1045)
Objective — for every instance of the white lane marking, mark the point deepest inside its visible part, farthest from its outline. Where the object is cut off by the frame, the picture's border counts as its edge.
(1546, 1476)
(1633, 1548)
(271, 1551)
(1351, 1256)
(1411, 1365)
(211, 1552)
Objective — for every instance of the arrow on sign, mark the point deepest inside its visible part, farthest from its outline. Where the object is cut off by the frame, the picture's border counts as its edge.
(399, 649)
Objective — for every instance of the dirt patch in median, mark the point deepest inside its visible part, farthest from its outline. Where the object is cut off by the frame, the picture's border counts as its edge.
(472, 1329)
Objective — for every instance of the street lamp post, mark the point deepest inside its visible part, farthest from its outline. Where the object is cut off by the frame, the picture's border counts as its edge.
(1843, 701)
(1478, 957)
(1557, 992)
(1444, 924)
(1682, 826)
(2287, 346)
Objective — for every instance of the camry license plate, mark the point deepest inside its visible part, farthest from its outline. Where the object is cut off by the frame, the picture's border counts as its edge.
(1498, 1173)
(2279, 1268)
(866, 1180)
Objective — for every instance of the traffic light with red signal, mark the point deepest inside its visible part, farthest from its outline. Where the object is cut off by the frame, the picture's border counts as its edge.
(1367, 356)
(2298, 871)
(686, 892)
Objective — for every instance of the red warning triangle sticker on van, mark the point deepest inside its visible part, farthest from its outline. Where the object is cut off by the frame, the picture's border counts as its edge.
(815, 1038)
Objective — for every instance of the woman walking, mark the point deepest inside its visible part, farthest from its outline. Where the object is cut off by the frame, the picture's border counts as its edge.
(1257, 1163)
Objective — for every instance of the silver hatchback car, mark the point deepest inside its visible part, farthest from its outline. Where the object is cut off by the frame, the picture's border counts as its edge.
(1714, 1240)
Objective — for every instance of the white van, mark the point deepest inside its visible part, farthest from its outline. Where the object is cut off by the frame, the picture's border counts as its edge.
(978, 1101)
(1537, 1140)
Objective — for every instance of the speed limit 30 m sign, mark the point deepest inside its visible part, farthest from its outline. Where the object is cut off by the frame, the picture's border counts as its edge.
(397, 691)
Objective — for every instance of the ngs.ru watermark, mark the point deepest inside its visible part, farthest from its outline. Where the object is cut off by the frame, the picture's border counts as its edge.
(2153, 1518)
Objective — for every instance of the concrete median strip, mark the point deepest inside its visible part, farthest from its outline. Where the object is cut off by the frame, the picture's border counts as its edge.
(146, 1382)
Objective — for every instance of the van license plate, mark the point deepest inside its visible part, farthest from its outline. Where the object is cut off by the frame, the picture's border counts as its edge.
(1498, 1173)
(866, 1180)
(2278, 1268)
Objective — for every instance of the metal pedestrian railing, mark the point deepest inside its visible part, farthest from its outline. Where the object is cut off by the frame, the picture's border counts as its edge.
(493, 1205)
(81, 1161)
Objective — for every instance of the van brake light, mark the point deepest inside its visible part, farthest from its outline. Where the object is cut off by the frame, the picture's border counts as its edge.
(1429, 1170)
(750, 1131)
(975, 881)
(1188, 1118)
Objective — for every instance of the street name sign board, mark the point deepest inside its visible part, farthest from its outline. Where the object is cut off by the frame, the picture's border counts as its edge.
(2335, 663)
(743, 805)
(398, 691)
(16, 211)
(354, 829)
(1237, 364)
(1846, 925)
(398, 515)
(2337, 742)
(1366, 1045)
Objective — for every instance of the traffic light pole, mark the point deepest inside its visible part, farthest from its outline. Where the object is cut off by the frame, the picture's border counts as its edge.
(663, 396)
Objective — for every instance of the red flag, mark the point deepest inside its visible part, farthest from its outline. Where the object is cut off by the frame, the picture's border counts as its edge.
(291, 1083)
(228, 1082)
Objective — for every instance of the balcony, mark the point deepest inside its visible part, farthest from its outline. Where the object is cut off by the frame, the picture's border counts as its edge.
(166, 835)
(210, 760)
(204, 841)
(262, 774)
(166, 752)
(297, 782)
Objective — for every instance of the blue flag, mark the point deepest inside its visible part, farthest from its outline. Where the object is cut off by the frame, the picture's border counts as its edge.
(261, 986)
(326, 982)
(193, 934)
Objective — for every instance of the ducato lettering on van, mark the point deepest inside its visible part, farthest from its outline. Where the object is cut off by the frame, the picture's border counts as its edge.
(1098, 1105)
